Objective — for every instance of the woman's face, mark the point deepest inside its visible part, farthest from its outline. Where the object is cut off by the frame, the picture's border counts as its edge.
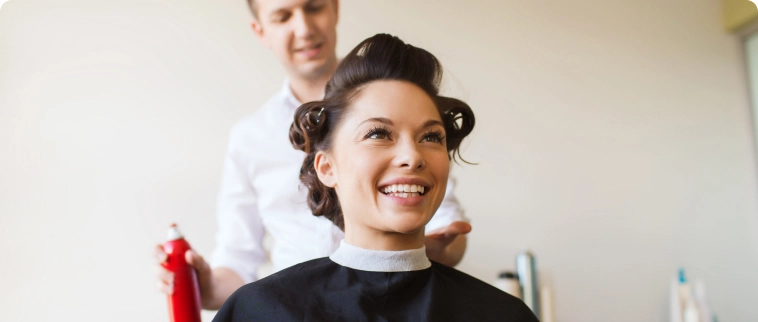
(388, 161)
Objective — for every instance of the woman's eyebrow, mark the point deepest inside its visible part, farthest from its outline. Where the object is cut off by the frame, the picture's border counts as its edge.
(378, 119)
(387, 121)
(433, 123)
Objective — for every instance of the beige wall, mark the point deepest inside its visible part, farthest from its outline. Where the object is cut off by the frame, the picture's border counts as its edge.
(739, 13)
(613, 139)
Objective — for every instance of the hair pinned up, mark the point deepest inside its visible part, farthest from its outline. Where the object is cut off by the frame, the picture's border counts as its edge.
(381, 57)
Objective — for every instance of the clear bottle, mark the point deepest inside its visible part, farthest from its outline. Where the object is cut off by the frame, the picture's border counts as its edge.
(527, 275)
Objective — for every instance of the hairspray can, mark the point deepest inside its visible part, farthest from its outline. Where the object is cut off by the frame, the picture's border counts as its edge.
(527, 276)
(184, 302)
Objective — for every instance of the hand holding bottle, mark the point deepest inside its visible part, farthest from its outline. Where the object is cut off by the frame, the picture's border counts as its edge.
(166, 278)
(179, 278)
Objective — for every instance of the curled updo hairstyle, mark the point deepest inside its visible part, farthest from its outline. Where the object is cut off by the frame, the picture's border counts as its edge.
(381, 57)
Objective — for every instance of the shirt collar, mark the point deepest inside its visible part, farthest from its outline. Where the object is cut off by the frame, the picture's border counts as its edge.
(380, 260)
(289, 97)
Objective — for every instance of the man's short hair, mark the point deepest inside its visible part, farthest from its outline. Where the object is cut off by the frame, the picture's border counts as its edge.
(253, 8)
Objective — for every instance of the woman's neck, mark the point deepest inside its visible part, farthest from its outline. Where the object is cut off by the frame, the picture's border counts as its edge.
(370, 238)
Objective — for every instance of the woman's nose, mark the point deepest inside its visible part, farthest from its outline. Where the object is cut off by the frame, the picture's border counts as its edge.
(408, 156)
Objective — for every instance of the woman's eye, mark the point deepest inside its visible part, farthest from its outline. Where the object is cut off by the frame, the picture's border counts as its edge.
(378, 134)
(432, 137)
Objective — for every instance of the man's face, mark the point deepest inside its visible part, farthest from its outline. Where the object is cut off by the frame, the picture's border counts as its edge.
(301, 33)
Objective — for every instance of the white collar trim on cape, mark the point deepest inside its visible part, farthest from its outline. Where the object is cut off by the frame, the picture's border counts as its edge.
(380, 260)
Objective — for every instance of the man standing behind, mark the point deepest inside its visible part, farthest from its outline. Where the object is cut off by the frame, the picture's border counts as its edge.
(260, 190)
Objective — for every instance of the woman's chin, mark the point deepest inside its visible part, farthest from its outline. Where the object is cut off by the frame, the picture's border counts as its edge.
(408, 225)
(408, 230)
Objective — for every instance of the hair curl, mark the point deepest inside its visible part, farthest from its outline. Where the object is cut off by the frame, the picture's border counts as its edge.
(381, 57)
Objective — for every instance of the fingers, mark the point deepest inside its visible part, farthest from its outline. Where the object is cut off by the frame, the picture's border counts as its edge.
(165, 283)
(459, 227)
(454, 229)
(196, 261)
(167, 289)
(440, 239)
(159, 255)
(204, 273)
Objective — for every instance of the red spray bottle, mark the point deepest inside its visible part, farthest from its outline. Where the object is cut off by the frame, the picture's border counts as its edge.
(184, 303)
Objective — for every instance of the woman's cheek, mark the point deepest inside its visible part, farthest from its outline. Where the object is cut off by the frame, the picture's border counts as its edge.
(368, 159)
(439, 163)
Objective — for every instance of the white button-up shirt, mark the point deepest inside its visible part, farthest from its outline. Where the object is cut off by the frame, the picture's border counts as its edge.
(261, 193)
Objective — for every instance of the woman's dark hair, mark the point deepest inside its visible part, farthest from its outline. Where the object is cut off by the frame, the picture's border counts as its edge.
(381, 57)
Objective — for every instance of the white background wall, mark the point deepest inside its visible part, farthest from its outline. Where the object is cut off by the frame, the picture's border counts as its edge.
(613, 139)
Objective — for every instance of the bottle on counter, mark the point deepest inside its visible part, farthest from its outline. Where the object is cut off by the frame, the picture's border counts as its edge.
(527, 276)
(546, 304)
(508, 282)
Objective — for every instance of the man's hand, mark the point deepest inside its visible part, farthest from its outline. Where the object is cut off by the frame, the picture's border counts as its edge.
(204, 276)
(447, 244)
(203, 270)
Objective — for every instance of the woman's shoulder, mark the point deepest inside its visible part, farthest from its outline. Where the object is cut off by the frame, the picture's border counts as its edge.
(293, 276)
(479, 296)
(458, 278)
(279, 296)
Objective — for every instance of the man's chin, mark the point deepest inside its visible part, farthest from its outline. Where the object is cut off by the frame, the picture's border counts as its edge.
(314, 69)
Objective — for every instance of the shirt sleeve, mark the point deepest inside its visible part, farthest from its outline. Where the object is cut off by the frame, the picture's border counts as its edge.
(239, 238)
(449, 211)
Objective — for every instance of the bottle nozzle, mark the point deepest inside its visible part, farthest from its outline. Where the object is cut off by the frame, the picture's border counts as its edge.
(173, 233)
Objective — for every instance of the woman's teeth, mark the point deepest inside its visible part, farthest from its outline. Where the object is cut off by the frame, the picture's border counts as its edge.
(403, 190)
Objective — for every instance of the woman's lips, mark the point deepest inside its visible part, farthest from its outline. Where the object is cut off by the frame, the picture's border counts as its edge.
(404, 194)
(403, 188)
(412, 199)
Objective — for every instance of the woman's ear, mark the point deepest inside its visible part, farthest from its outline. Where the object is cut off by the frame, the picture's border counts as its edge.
(325, 169)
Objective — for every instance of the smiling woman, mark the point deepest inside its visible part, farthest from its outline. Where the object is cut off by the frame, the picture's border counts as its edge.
(378, 150)
(383, 111)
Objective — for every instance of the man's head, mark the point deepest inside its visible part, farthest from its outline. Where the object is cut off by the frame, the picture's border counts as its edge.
(301, 33)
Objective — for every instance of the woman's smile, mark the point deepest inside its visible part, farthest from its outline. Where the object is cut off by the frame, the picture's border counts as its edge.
(405, 191)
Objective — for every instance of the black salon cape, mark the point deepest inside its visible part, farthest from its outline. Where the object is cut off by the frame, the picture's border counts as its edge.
(322, 290)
